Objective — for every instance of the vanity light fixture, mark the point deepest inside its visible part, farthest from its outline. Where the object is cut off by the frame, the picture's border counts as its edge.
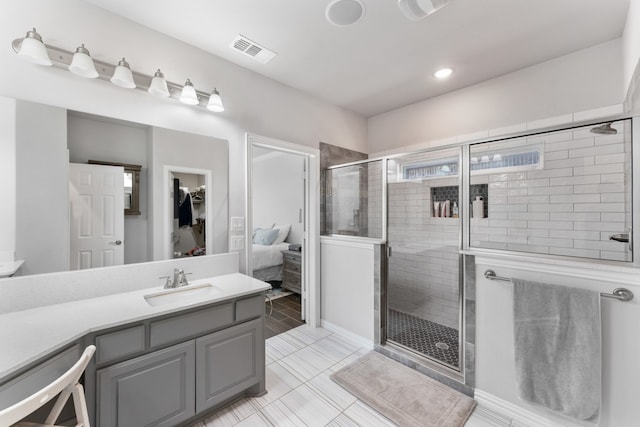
(80, 63)
(188, 95)
(215, 102)
(497, 157)
(158, 86)
(474, 160)
(122, 76)
(484, 159)
(443, 73)
(32, 49)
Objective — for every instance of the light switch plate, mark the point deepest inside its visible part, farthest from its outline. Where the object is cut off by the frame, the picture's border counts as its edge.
(237, 243)
(237, 224)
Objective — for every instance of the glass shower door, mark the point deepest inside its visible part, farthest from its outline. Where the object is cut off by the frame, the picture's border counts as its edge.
(423, 272)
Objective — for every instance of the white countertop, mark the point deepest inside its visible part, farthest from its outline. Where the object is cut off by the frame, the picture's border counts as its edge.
(29, 335)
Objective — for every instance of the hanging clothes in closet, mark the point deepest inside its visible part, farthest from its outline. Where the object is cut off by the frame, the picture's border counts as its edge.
(185, 212)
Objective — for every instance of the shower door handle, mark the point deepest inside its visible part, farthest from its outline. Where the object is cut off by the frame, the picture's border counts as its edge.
(388, 251)
(622, 237)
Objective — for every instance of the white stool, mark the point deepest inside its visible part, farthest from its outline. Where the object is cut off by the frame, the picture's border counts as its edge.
(66, 385)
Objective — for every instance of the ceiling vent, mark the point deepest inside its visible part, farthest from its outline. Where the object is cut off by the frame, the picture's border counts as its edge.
(252, 49)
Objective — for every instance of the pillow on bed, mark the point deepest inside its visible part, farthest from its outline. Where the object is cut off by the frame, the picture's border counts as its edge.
(265, 237)
(263, 227)
(283, 232)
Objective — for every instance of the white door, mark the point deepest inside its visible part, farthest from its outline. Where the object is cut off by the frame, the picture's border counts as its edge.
(96, 194)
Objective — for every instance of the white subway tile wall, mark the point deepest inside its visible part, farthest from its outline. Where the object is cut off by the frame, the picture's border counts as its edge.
(571, 206)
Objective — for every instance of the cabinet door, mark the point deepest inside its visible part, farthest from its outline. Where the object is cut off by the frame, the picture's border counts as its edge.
(229, 362)
(156, 389)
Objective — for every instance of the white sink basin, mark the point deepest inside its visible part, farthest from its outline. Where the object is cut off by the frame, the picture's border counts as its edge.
(171, 296)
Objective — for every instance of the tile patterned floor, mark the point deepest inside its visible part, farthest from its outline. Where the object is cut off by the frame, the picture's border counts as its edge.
(300, 392)
(424, 336)
(282, 314)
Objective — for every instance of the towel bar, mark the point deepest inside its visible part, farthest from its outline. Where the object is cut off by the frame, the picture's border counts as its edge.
(620, 294)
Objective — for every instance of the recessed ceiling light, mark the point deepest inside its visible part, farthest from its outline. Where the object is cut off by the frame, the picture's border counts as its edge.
(443, 73)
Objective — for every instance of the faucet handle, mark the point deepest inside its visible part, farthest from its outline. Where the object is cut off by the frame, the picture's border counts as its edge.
(183, 279)
(167, 283)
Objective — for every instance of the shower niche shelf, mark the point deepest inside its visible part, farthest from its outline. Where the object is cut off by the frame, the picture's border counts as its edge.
(452, 193)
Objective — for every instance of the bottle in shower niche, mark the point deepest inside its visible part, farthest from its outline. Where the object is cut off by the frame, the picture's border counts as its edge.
(446, 209)
(455, 211)
(436, 208)
(478, 207)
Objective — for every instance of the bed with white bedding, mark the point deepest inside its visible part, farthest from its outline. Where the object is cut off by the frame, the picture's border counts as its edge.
(267, 261)
(266, 253)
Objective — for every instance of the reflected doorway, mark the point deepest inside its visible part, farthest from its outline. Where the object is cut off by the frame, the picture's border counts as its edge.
(189, 214)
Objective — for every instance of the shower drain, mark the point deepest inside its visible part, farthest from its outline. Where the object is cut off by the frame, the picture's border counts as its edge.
(442, 346)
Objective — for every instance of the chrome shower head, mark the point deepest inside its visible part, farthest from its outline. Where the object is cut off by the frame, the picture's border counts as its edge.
(604, 129)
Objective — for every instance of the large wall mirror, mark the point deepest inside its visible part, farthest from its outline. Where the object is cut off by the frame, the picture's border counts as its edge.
(54, 204)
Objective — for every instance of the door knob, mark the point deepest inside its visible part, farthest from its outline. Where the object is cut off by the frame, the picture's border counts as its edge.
(117, 242)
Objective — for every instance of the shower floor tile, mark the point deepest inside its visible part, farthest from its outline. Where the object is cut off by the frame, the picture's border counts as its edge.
(429, 338)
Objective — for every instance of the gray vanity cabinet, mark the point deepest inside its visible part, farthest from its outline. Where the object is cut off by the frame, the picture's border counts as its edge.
(179, 366)
(228, 362)
(155, 389)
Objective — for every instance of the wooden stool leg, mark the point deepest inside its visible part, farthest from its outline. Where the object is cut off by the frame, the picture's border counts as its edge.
(79, 402)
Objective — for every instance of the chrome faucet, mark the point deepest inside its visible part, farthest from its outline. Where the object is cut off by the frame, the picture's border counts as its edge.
(179, 279)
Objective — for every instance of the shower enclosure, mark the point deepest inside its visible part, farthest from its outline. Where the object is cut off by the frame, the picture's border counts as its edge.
(423, 267)
(411, 203)
(565, 194)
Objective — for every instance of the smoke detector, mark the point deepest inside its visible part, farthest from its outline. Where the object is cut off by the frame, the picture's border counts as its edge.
(419, 9)
(344, 12)
(252, 49)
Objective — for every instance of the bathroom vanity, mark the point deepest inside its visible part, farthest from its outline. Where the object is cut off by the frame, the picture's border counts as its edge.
(162, 358)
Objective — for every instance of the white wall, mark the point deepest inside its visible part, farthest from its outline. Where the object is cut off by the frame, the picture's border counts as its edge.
(7, 177)
(93, 139)
(347, 286)
(42, 185)
(253, 103)
(278, 191)
(631, 42)
(583, 80)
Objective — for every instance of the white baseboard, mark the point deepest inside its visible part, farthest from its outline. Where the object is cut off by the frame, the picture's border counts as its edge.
(515, 412)
(346, 333)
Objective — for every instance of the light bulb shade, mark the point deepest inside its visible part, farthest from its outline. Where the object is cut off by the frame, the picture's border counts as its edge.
(189, 95)
(158, 86)
(33, 49)
(215, 102)
(122, 76)
(497, 157)
(82, 64)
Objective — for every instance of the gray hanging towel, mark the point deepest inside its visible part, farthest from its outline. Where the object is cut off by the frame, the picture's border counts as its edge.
(558, 348)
